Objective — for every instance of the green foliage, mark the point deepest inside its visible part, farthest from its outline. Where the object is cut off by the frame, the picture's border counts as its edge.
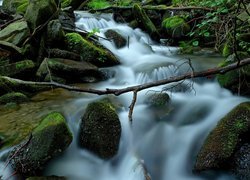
(98, 4)
(93, 32)
(123, 2)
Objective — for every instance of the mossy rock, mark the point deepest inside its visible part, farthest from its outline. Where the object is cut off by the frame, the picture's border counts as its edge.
(17, 68)
(117, 38)
(15, 6)
(100, 130)
(98, 4)
(15, 97)
(48, 140)
(175, 26)
(90, 52)
(15, 33)
(157, 99)
(221, 144)
(144, 22)
(235, 80)
(40, 11)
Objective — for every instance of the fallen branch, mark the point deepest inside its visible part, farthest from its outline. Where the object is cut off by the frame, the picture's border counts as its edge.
(137, 88)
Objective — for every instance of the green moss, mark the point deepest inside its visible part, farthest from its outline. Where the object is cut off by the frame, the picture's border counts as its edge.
(88, 51)
(223, 141)
(13, 97)
(65, 3)
(18, 6)
(22, 8)
(175, 26)
(52, 119)
(226, 50)
(98, 4)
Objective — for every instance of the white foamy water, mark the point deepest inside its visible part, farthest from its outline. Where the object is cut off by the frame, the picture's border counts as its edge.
(165, 141)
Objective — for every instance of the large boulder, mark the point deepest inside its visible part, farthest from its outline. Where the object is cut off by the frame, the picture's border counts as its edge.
(71, 71)
(230, 134)
(15, 33)
(55, 33)
(48, 140)
(144, 22)
(100, 130)
(40, 11)
(15, 69)
(117, 38)
(15, 6)
(175, 27)
(90, 52)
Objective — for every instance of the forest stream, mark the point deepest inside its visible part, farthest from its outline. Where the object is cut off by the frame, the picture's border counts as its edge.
(163, 141)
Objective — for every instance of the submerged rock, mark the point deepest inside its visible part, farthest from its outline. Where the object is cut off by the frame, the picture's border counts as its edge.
(71, 71)
(225, 139)
(39, 11)
(100, 130)
(48, 140)
(118, 39)
(15, 97)
(47, 178)
(15, 33)
(90, 52)
(157, 99)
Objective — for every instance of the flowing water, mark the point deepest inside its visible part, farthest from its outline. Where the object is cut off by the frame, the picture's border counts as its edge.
(165, 141)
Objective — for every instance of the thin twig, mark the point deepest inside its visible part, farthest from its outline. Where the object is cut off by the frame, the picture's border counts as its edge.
(132, 105)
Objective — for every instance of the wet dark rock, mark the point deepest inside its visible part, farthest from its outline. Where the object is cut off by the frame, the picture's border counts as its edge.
(47, 178)
(55, 34)
(157, 99)
(15, 69)
(67, 18)
(15, 33)
(242, 162)
(39, 11)
(229, 134)
(89, 51)
(48, 140)
(117, 38)
(100, 130)
(64, 54)
(72, 71)
(15, 97)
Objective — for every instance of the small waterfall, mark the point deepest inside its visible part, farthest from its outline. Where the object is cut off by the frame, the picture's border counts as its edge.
(165, 141)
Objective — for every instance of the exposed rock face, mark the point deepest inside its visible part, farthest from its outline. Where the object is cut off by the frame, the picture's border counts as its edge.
(15, 32)
(90, 52)
(175, 26)
(228, 136)
(39, 11)
(100, 130)
(48, 140)
(118, 39)
(71, 71)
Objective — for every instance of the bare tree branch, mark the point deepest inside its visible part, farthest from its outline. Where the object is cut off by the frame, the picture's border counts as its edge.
(137, 88)
(132, 105)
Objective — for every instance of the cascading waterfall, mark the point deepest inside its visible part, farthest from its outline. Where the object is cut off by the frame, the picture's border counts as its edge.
(166, 143)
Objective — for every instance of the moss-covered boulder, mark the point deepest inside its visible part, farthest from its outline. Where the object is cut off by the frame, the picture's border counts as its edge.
(15, 33)
(71, 71)
(40, 11)
(98, 4)
(47, 178)
(15, 6)
(175, 26)
(15, 97)
(157, 99)
(116, 38)
(144, 22)
(237, 81)
(100, 130)
(228, 136)
(48, 140)
(90, 52)
(55, 34)
(17, 68)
